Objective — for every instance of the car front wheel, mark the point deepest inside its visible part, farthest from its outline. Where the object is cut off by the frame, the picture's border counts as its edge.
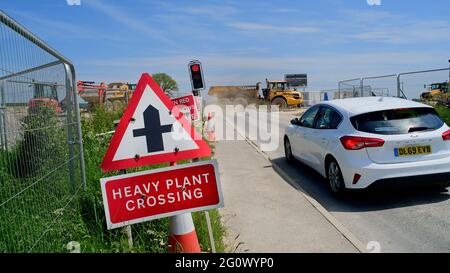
(288, 151)
(335, 178)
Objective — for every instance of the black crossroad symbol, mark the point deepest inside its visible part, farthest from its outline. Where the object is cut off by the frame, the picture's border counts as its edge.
(153, 130)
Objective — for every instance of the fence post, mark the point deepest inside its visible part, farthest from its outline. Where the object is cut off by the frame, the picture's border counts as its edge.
(127, 228)
(341, 82)
(70, 138)
(3, 138)
(448, 72)
(78, 120)
(339, 90)
(361, 83)
(210, 232)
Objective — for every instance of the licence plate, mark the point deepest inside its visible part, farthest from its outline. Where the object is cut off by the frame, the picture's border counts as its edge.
(412, 150)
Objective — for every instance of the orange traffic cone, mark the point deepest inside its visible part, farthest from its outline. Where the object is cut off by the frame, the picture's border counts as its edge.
(182, 237)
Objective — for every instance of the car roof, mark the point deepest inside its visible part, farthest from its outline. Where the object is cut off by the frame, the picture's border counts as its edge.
(356, 106)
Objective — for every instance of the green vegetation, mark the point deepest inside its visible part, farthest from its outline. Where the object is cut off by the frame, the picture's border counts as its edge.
(40, 141)
(38, 210)
(147, 237)
(444, 112)
(167, 84)
(47, 211)
(202, 231)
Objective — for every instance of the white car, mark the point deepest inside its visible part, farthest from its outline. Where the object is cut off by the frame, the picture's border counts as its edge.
(359, 143)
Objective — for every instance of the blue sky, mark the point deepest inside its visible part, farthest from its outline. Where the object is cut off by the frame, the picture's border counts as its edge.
(242, 42)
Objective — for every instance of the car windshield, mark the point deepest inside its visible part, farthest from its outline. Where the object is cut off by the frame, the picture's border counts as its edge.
(45, 91)
(397, 121)
(278, 85)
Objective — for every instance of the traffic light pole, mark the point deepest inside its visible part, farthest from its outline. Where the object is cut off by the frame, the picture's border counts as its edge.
(198, 83)
(208, 219)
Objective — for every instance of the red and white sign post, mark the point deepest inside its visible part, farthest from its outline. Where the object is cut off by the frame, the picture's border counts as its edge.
(151, 131)
(143, 196)
(191, 103)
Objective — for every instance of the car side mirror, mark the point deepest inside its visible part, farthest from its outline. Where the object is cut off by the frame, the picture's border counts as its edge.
(295, 121)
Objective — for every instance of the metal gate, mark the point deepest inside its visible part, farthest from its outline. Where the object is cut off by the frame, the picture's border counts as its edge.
(41, 152)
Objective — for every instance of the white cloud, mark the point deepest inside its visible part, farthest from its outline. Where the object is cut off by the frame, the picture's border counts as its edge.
(285, 10)
(120, 16)
(419, 32)
(389, 28)
(367, 16)
(374, 2)
(212, 11)
(324, 70)
(71, 30)
(267, 27)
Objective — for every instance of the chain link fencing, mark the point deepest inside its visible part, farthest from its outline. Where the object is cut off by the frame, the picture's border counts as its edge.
(384, 85)
(346, 89)
(430, 86)
(41, 154)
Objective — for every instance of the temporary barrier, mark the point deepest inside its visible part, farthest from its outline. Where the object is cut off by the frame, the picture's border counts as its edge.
(41, 148)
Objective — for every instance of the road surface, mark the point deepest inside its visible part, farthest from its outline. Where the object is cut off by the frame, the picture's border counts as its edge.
(409, 221)
(263, 214)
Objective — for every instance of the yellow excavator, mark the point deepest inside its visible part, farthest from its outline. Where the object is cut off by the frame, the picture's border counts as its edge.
(276, 93)
(438, 92)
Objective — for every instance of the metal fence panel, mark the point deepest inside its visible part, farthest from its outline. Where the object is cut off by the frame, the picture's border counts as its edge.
(41, 162)
(311, 98)
(430, 86)
(414, 85)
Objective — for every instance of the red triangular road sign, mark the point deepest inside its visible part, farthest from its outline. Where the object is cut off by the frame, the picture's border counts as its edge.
(152, 131)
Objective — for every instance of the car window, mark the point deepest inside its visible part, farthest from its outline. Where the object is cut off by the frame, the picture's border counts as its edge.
(328, 118)
(398, 121)
(307, 120)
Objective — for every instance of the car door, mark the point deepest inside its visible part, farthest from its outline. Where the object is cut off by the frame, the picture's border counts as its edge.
(299, 143)
(325, 135)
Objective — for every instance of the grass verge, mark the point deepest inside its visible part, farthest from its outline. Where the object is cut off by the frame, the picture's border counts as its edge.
(147, 237)
(444, 112)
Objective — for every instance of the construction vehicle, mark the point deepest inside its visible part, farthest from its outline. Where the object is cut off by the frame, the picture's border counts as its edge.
(45, 95)
(117, 95)
(132, 86)
(113, 96)
(437, 92)
(434, 89)
(276, 93)
(241, 94)
(91, 92)
(279, 93)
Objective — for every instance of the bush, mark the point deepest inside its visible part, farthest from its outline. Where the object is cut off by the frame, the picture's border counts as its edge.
(43, 138)
(444, 113)
(39, 208)
(47, 216)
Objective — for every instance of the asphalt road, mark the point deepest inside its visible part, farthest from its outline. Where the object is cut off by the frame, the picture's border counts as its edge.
(406, 221)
